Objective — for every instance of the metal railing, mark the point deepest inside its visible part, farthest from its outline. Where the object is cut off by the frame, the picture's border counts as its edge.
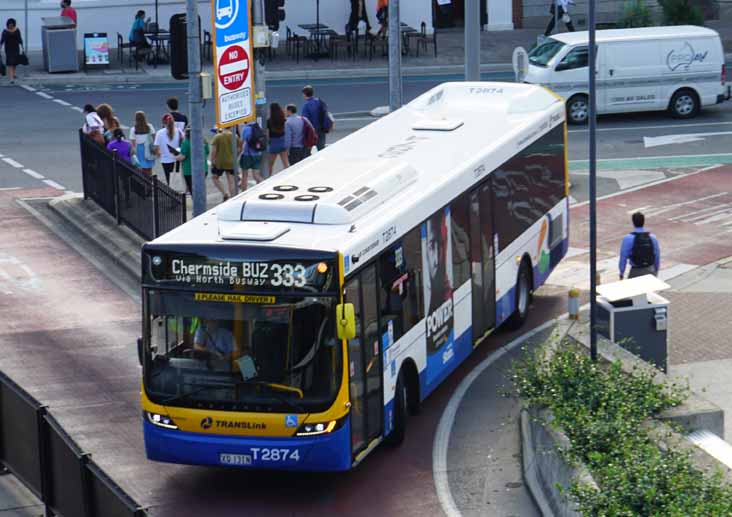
(36, 449)
(147, 206)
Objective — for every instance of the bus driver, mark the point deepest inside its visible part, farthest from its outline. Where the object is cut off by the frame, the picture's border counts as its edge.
(213, 339)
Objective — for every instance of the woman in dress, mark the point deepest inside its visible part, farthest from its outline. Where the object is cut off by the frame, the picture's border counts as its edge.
(13, 43)
(276, 133)
(142, 138)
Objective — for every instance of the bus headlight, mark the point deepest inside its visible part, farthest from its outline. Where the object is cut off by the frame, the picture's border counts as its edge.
(317, 428)
(160, 420)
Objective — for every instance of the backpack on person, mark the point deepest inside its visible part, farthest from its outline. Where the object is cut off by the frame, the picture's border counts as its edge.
(643, 254)
(257, 140)
(326, 119)
(309, 136)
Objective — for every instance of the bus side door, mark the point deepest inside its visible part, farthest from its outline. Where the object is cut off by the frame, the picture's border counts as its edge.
(482, 258)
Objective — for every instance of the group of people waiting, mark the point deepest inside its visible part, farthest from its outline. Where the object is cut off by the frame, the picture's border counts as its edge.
(233, 155)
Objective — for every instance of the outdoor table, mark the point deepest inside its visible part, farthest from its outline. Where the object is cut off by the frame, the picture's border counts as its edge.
(160, 40)
(318, 32)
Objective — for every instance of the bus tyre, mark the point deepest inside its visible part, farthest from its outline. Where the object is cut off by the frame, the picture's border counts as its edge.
(578, 109)
(684, 104)
(399, 429)
(523, 296)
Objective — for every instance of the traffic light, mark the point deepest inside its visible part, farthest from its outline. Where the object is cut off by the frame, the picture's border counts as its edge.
(274, 13)
(178, 47)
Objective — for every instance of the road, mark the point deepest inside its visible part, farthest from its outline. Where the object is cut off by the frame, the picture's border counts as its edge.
(42, 137)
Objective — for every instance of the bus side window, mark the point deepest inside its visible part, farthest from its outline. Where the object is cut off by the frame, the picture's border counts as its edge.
(400, 268)
(460, 218)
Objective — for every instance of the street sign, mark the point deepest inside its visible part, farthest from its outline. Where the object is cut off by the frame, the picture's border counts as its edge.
(520, 61)
(233, 62)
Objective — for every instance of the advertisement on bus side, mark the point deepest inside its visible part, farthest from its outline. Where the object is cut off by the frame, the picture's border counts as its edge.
(438, 289)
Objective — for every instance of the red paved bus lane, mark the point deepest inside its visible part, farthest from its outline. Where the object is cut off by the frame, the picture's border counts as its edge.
(68, 339)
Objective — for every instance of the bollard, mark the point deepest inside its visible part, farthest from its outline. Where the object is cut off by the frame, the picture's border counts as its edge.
(573, 303)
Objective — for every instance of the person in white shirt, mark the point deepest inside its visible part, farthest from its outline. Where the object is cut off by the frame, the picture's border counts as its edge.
(142, 137)
(168, 136)
(93, 125)
(562, 14)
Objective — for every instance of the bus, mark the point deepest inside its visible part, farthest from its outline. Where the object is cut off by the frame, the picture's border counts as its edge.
(297, 325)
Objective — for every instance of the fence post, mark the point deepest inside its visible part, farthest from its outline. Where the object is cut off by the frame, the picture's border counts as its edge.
(184, 215)
(87, 484)
(83, 162)
(156, 216)
(43, 456)
(115, 187)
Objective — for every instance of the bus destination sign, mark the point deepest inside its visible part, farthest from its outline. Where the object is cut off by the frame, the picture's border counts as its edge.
(281, 275)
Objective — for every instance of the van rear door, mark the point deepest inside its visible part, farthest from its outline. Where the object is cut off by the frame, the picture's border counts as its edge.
(632, 76)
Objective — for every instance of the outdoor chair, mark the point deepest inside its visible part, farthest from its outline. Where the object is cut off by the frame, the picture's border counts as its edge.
(375, 43)
(346, 41)
(294, 44)
(121, 46)
(423, 39)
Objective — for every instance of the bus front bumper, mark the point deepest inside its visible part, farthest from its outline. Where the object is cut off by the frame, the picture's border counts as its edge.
(328, 452)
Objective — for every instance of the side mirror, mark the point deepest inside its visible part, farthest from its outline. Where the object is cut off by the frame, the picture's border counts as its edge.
(346, 321)
(139, 350)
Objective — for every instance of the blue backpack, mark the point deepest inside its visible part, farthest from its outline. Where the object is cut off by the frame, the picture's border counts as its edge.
(326, 120)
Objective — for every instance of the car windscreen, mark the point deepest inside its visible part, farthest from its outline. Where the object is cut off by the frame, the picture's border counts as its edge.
(541, 55)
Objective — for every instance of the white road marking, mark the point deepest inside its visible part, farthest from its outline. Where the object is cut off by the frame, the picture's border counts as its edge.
(696, 212)
(34, 174)
(12, 163)
(53, 184)
(715, 218)
(655, 141)
(667, 126)
(44, 95)
(628, 178)
(444, 428)
(9, 188)
(62, 103)
(77, 108)
(26, 87)
(669, 208)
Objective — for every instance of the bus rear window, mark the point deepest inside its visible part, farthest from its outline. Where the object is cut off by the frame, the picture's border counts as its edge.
(544, 53)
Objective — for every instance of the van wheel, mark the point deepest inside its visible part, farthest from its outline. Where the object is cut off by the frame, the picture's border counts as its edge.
(684, 104)
(396, 437)
(578, 109)
(523, 296)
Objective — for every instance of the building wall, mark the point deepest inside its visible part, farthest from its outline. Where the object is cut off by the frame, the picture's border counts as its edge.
(536, 12)
(113, 16)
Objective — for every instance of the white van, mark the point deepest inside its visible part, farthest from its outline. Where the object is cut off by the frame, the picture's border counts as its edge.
(679, 69)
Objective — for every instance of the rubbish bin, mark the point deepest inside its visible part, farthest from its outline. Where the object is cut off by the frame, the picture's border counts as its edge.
(60, 53)
(633, 316)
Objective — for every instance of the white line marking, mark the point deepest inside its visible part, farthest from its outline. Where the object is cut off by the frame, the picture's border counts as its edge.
(9, 188)
(34, 174)
(672, 126)
(1, 155)
(715, 218)
(26, 87)
(658, 157)
(444, 428)
(77, 108)
(69, 192)
(44, 95)
(697, 212)
(13, 163)
(674, 206)
(655, 141)
(53, 184)
(666, 180)
(62, 103)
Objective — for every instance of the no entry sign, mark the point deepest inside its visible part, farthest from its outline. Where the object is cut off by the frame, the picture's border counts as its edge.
(232, 30)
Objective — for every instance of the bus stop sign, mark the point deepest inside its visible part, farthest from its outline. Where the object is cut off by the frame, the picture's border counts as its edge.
(233, 48)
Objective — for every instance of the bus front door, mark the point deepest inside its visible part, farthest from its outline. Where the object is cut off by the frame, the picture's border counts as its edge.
(482, 258)
(364, 362)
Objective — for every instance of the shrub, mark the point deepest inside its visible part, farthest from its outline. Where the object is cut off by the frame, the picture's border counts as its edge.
(681, 12)
(602, 411)
(635, 14)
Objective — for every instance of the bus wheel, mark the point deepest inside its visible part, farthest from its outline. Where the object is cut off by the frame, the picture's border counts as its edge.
(396, 437)
(684, 104)
(523, 296)
(578, 109)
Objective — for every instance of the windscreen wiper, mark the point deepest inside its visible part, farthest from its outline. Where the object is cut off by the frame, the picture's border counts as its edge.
(199, 389)
(276, 390)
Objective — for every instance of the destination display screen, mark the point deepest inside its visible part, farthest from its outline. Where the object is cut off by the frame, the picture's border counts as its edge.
(296, 274)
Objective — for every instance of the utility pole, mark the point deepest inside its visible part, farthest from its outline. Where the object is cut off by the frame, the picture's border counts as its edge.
(195, 108)
(395, 57)
(472, 40)
(593, 186)
(260, 79)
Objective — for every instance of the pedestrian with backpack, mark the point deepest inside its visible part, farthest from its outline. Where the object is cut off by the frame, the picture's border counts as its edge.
(276, 134)
(316, 111)
(255, 142)
(641, 249)
(296, 130)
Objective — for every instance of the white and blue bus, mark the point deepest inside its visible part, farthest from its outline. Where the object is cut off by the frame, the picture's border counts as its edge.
(298, 324)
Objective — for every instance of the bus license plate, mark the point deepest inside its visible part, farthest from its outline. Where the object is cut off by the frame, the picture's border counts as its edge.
(235, 459)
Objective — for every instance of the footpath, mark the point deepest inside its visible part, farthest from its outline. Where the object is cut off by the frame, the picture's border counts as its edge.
(496, 50)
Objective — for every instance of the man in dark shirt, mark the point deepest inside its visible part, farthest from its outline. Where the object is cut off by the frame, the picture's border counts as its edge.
(315, 111)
